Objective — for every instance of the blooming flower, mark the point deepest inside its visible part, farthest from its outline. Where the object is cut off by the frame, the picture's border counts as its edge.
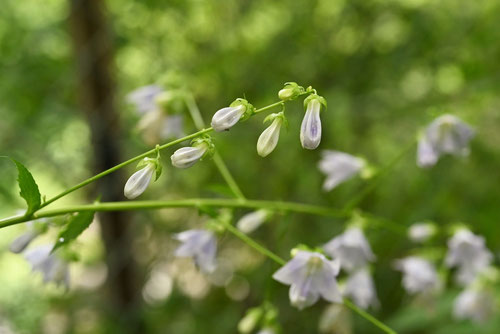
(186, 157)
(475, 304)
(139, 181)
(361, 288)
(421, 232)
(310, 130)
(338, 167)
(156, 124)
(144, 98)
(419, 275)
(251, 221)
(269, 138)
(447, 134)
(201, 246)
(468, 252)
(310, 275)
(351, 248)
(50, 265)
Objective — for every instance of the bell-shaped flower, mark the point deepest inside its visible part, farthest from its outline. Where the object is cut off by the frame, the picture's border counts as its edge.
(144, 98)
(474, 303)
(310, 276)
(290, 91)
(53, 268)
(421, 232)
(339, 167)
(201, 246)
(447, 134)
(251, 221)
(419, 275)
(226, 118)
(140, 180)
(361, 289)
(34, 229)
(157, 125)
(269, 137)
(310, 130)
(351, 248)
(468, 252)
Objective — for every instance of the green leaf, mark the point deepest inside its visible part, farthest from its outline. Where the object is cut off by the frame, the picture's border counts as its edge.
(29, 188)
(76, 225)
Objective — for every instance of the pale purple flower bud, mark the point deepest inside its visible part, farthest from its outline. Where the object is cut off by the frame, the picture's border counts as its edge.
(251, 221)
(226, 118)
(201, 246)
(157, 125)
(310, 130)
(269, 138)
(468, 252)
(144, 98)
(475, 304)
(361, 289)
(53, 268)
(21, 242)
(421, 232)
(351, 248)
(447, 134)
(419, 275)
(339, 167)
(310, 276)
(186, 157)
(139, 181)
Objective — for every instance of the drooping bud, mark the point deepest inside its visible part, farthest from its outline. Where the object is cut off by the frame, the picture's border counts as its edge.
(269, 138)
(290, 91)
(140, 180)
(226, 118)
(251, 221)
(310, 131)
(250, 321)
(186, 157)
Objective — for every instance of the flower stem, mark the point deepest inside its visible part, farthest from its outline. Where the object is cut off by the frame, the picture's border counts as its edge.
(377, 178)
(198, 121)
(369, 317)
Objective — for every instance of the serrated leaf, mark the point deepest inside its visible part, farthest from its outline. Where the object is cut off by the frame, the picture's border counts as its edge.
(76, 225)
(28, 188)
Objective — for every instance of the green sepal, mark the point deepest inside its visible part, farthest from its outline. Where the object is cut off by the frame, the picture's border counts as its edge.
(315, 96)
(204, 140)
(290, 91)
(249, 108)
(154, 161)
(303, 247)
(279, 115)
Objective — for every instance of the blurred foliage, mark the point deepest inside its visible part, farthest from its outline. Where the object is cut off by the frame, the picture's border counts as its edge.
(386, 68)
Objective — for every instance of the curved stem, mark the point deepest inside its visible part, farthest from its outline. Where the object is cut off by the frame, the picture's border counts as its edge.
(377, 178)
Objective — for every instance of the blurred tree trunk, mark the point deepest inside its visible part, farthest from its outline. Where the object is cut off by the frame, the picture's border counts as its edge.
(93, 54)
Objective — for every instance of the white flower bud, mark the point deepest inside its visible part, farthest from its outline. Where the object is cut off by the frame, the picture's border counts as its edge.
(269, 138)
(227, 117)
(286, 93)
(421, 232)
(186, 157)
(139, 181)
(310, 131)
(251, 221)
(21, 242)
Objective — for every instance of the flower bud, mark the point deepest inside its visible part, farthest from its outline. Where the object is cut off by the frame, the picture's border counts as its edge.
(186, 157)
(310, 131)
(251, 221)
(139, 181)
(249, 322)
(269, 138)
(290, 91)
(226, 118)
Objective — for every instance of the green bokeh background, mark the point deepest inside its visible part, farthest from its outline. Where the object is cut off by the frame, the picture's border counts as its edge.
(386, 68)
